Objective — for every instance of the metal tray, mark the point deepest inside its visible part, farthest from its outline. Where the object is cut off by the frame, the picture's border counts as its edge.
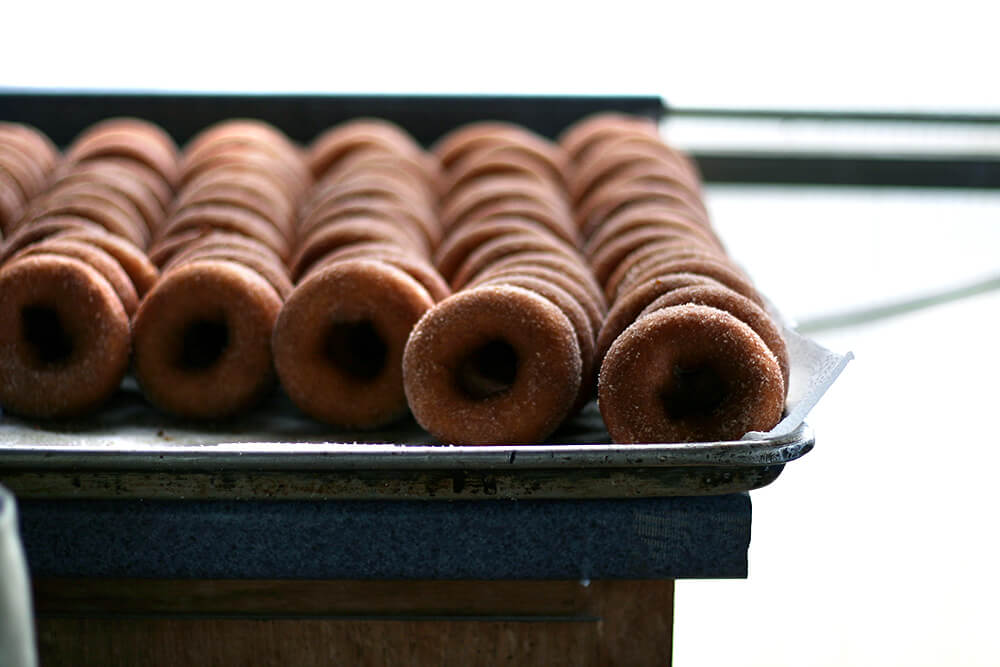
(130, 451)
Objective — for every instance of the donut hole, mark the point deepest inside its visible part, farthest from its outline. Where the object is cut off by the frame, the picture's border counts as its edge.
(488, 370)
(694, 392)
(202, 344)
(356, 349)
(47, 338)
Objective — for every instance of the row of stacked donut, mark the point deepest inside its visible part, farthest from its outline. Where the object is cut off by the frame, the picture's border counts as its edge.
(687, 351)
(506, 359)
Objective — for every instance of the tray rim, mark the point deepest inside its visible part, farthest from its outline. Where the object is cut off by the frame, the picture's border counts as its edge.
(315, 457)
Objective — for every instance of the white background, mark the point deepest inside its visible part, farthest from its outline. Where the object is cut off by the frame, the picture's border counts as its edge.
(868, 54)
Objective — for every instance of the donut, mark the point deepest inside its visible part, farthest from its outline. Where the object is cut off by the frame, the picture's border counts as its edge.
(421, 228)
(25, 235)
(142, 272)
(30, 176)
(339, 340)
(132, 145)
(657, 253)
(620, 254)
(531, 211)
(503, 246)
(603, 204)
(655, 215)
(496, 162)
(626, 158)
(218, 217)
(594, 310)
(95, 257)
(722, 271)
(98, 190)
(201, 340)
(689, 374)
(279, 215)
(346, 232)
(494, 364)
(737, 305)
(582, 136)
(338, 142)
(64, 337)
(475, 137)
(95, 209)
(577, 316)
(544, 260)
(465, 240)
(32, 141)
(387, 253)
(289, 173)
(465, 202)
(273, 273)
(149, 179)
(397, 166)
(629, 305)
(122, 181)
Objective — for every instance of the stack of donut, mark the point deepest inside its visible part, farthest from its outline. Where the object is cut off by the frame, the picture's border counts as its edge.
(688, 351)
(364, 276)
(510, 355)
(27, 158)
(74, 269)
(202, 335)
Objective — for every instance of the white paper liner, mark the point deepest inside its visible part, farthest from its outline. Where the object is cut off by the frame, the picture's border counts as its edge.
(813, 369)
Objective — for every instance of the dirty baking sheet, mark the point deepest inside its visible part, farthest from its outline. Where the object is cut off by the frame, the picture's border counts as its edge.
(129, 450)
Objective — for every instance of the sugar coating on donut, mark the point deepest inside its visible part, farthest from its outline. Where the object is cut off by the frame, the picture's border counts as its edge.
(97, 258)
(737, 305)
(689, 374)
(202, 339)
(493, 364)
(339, 341)
(627, 308)
(64, 337)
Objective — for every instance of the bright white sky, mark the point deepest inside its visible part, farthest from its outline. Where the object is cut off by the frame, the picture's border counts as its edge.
(849, 54)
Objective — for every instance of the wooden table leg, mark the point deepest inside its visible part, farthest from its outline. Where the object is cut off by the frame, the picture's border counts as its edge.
(155, 622)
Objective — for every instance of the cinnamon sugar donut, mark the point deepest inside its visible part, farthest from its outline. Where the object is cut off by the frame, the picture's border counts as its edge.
(218, 217)
(580, 138)
(338, 142)
(603, 204)
(96, 258)
(64, 337)
(274, 273)
(572, 269)
(492, 365)
(594, 310)
(528, 210)
(346, 232)
(142, 272)
(338, 343)
(475, 137)
(25, 235)
(737, 305)
(628, 306)
(393, 255)
(577, 316)
(657, 253)
(465, 240)
(146, 146)
(122, 181)
(722, 271)
(620, 254)
(202, 339)
(465, 202)
(689, 374)
(504, 246)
